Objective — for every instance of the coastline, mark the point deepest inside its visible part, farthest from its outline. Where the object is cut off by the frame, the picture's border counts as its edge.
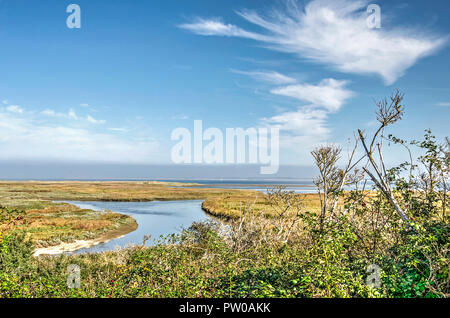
(80, 244)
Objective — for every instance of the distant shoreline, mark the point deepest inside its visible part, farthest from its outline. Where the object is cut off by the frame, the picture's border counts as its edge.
(199, 181)
(259, 185)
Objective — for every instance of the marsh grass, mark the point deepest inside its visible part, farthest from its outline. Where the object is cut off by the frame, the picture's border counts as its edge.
(25, 194)
(62, 223)
(49, 223)
(267, 247)
(233, 206)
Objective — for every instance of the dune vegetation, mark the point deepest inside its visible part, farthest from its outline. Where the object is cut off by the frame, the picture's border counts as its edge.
(386, 239)
(25, 194)
(30, 207)
(59, 223)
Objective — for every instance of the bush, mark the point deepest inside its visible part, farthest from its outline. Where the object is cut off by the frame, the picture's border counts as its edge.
(15, 253)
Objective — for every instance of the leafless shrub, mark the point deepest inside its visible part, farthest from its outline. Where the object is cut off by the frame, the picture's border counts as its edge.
(330, 178)
(255, 229)
(387, 114)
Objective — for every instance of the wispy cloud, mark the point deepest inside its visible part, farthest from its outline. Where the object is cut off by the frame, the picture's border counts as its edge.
(443, 104)
(48, 112)
(52, 113)
(118, 129)
(215, 26)
(329, 93)
(333, 33)
(72, 115)
(267, 76)
(14, 109)
(92, 120)
(28, 135)
(306, 126)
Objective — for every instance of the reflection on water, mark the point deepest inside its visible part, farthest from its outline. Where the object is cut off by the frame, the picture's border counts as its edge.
(154, 218)
(263, 188)
(297, 186)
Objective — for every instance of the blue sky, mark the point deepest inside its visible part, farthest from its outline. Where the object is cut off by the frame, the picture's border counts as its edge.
(114, 90)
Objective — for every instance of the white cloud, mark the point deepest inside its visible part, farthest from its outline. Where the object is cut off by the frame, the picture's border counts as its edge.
(334, 33)
(443, 104)
(92, 120)
(301, 128)
(307, 126)
(84, 105)
(217, 27)
(118, 129)
(52, 113)
(72, 114)
(29, 137)
(267, 76)
(329, 93)
(14, 109)
(48, 112)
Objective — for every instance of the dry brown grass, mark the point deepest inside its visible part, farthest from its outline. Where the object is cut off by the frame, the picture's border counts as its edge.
(49, 223)
(106, 191)
(61, 222)
(232, 206)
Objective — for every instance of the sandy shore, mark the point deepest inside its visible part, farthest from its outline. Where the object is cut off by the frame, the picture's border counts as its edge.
(79, 244)
(70, 247)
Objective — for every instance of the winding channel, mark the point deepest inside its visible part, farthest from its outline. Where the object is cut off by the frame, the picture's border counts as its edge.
(156, 218)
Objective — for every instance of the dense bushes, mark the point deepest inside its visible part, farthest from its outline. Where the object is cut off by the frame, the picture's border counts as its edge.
(298, 254)
(200, 263)
(388, 241)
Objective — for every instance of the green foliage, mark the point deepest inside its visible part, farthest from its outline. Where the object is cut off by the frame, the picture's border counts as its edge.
(419, 267)
(199, 263)
(15, 264)
(263, 282)
(8, 215)
(15, 253)
(300, 254)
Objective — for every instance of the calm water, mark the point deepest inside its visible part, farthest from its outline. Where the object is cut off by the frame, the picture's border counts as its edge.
(154, 218)
(297, 186)
(264, 188)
